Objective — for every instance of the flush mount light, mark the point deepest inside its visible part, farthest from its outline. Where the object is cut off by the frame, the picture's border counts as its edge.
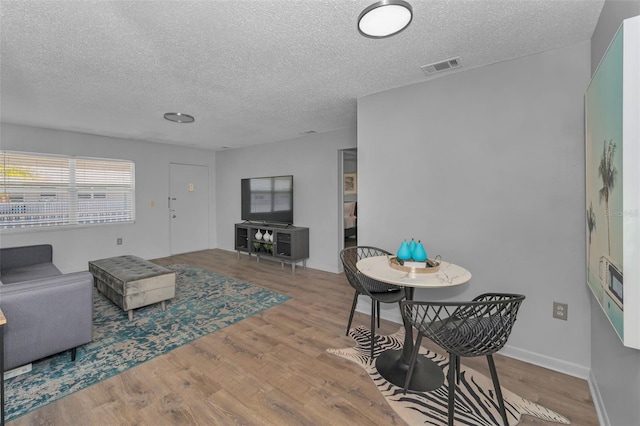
(385, 18)
(179, 117)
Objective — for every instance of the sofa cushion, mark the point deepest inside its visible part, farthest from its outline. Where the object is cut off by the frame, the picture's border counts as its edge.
(28, 273)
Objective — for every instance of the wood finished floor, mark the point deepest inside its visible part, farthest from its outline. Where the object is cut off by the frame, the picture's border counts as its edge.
(272, 368)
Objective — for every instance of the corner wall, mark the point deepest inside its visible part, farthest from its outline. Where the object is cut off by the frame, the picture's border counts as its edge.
(486, 167)
(615, 369)
(148, 237)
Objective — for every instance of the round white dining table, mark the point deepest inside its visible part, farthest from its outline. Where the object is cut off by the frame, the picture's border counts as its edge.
(393, 364)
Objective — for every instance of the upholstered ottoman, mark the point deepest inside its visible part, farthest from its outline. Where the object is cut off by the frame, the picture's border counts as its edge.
(131, 282)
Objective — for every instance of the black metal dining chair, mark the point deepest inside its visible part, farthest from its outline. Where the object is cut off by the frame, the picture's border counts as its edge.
(376, 290)
(465, 329)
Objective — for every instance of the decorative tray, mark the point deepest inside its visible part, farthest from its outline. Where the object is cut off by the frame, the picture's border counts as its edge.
(428, 267)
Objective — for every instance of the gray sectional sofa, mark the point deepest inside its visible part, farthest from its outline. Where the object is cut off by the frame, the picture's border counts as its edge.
(47, 312)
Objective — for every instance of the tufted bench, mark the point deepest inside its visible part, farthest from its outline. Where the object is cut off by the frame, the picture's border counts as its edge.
(131, 282)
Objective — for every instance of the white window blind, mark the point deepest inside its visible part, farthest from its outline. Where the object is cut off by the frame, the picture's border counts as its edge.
(40, 190)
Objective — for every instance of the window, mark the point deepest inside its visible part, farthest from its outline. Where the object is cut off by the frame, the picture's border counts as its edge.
(41, 190)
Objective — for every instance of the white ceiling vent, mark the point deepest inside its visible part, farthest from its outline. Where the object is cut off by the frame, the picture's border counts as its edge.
(442, 66)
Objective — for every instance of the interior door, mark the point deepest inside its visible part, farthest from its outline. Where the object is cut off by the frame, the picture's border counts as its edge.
(188, 208)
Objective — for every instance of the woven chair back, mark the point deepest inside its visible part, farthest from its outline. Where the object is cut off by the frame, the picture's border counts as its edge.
(476, 328)
(363, 284)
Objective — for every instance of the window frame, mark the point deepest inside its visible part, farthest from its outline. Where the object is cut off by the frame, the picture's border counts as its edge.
(111, 196)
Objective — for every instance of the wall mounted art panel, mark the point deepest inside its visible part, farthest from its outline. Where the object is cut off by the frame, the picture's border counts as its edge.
(612, 117)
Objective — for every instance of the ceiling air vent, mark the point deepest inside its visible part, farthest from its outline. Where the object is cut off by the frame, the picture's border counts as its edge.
(437, 67)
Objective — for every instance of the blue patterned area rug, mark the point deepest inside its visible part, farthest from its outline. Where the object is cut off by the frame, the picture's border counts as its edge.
(475, 402)
(205, 302)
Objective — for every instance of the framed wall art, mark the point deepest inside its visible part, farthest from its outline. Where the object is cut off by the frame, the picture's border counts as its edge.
(350, 183)
(612, 144)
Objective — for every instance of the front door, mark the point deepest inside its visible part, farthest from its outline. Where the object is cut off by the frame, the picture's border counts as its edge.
(188, 207)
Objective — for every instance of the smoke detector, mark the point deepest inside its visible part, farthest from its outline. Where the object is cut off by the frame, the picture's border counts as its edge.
(442, 66)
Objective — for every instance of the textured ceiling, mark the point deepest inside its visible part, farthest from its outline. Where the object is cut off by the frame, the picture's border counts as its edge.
(250, 71)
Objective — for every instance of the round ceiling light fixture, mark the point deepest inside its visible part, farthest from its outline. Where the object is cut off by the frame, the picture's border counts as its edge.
(385, 18)
(178, 117)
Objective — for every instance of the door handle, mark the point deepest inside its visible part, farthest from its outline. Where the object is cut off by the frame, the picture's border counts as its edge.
(173, 216)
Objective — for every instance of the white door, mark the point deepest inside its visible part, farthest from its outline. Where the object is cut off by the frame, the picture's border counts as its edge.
(188, 207)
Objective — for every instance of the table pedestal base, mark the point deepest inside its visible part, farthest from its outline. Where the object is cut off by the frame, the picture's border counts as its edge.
(427, 375)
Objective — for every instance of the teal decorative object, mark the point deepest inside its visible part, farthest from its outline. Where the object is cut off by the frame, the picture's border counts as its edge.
(419, 254)
(403, 252)
(412, 245)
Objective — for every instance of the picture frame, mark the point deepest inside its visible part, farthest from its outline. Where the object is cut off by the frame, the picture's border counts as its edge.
(612, 149)
(350, 183)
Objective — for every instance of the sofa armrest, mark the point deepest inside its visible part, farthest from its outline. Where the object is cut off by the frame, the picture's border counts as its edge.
(46, 316)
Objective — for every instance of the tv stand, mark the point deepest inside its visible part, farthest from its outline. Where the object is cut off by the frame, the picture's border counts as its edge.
(290, 243)
(268, 224)
(277, 225)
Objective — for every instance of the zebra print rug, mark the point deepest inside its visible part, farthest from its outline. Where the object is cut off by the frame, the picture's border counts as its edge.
(475, 403)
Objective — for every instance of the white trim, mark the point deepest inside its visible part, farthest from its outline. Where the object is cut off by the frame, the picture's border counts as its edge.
(545, 361)
(534, 358)
(540, 360)
(598, 402)
(630, 179)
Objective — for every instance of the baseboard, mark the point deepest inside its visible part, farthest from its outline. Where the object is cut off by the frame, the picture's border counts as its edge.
(17, 371)
(544, 361)
(554, 364)
(601, 410)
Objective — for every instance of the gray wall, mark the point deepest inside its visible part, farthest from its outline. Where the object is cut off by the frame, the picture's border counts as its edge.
(615, 369)
(486, 167)
(314, 163)
(148, 237)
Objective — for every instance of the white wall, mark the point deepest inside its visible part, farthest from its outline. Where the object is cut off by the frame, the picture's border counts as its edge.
(486, 167)
(148, 237)
(615, 369)
(313, 161)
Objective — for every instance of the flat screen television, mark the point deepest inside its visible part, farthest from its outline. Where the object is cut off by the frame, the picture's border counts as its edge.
(268, 199)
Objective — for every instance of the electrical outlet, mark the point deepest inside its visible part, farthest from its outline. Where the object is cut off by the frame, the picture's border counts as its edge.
(560, 310)
(119, 241)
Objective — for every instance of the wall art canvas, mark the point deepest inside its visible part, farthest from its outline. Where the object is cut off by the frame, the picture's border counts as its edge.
(612, 143)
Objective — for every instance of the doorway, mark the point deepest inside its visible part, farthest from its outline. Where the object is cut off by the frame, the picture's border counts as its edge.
(188, 208)
(350, 197)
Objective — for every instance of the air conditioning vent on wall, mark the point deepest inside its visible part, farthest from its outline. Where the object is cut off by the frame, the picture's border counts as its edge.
(441, 66)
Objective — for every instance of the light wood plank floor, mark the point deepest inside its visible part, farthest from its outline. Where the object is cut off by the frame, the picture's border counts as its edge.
(272, 368)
